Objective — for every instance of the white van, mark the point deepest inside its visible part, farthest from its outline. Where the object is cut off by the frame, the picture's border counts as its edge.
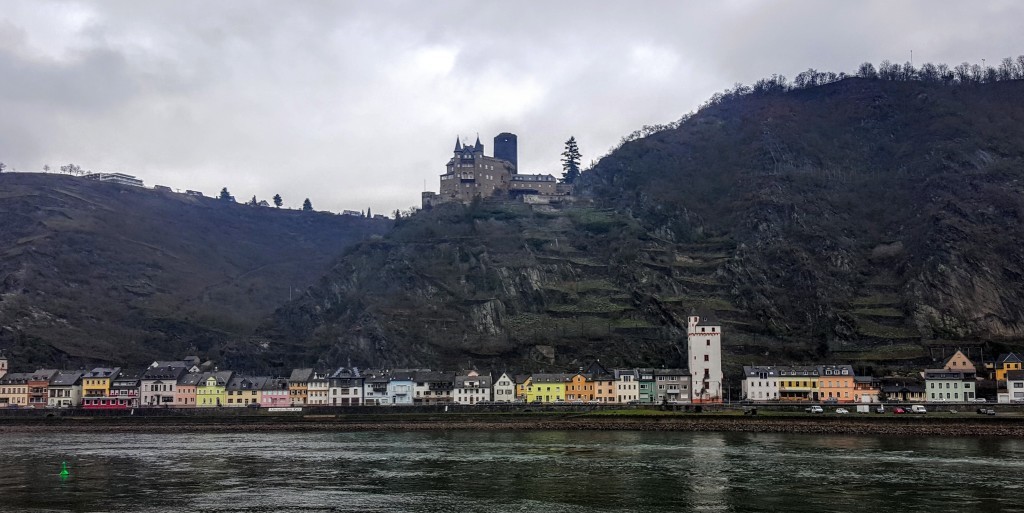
(917, 408)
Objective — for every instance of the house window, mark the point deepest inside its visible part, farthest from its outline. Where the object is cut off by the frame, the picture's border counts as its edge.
(706, 358)
(709, 343)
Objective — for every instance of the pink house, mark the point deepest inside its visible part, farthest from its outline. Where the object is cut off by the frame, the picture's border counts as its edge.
(185, 392)
(275, 394)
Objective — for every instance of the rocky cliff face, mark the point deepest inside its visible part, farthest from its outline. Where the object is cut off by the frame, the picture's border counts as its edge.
(862, 220)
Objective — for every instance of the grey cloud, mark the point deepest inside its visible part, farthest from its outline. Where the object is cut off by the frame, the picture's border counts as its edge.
(355, 104)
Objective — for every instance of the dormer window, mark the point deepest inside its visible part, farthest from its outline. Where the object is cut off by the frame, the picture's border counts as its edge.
(702, 330)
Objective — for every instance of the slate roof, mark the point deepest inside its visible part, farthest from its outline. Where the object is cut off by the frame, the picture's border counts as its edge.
(552, 378)
(16, 378)
(672, 372)
(191, 379)
(301, 376)
(1008, 358)
(43, 375)
(66, 378)
(483, 379)
(275, 384)
(103, 372)
(238, 383)
(1015, 375)
(169, 373)
(837, 370)
(753, 371)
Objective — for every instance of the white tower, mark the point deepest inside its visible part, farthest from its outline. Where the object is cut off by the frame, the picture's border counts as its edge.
(704, 350)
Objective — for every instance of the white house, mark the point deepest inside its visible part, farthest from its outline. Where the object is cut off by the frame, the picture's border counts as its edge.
(760, 384)
(375, 388)
(159, 381)
(504, 389)
(318, 390)
(627, 386)
(1014, 386)
(941, 385)
(704, 351)
(65, 390)
(472, 388)
(346, 388)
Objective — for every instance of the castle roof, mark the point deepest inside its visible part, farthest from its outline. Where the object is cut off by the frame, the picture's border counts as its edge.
(458, 144)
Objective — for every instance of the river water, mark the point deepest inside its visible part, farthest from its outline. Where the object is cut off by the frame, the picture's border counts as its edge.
(534, 472)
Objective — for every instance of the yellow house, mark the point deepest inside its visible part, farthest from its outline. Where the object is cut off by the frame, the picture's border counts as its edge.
(522, 381)
(1006, 363)
(547, 388)
(298, 386)
(96, 383)
(798, 384)
(211, 390)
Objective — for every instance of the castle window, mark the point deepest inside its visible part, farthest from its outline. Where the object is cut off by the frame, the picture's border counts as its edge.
(709, 342)
(702, 330)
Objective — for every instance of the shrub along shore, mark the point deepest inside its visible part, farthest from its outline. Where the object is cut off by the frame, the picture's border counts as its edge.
(966, 424)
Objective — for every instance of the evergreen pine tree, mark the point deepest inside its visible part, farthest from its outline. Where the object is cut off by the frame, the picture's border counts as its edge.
(307, 205)
(570, 161)
(225, 195)
(278, 201)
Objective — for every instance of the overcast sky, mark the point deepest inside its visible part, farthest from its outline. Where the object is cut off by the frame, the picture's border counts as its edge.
(358, 104)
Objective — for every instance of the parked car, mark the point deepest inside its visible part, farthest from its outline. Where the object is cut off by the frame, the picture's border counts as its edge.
(253, 405)
(814, 409)
(880, 409)
(842, 411)
(897, 411)
(917, 408)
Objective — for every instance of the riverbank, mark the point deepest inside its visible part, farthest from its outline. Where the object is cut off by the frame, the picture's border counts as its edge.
(935, 425)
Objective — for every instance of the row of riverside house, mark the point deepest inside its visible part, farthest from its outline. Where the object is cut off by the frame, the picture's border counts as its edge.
(955, 382)
(182, 384)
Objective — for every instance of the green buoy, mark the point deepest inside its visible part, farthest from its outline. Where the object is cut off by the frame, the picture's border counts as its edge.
(64, 470)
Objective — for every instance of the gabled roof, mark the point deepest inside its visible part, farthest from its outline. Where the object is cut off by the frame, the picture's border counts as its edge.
(191, 379)
(301, 376)
(66, 378)
(275, 384)
(484, 380)
(43, 375)
(1008, 358)
(222, 377)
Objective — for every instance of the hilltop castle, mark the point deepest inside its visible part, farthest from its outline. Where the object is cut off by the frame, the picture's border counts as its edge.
(471, 174)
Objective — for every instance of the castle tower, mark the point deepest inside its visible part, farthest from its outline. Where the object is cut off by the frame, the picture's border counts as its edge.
(704, 353)
(506, 148)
